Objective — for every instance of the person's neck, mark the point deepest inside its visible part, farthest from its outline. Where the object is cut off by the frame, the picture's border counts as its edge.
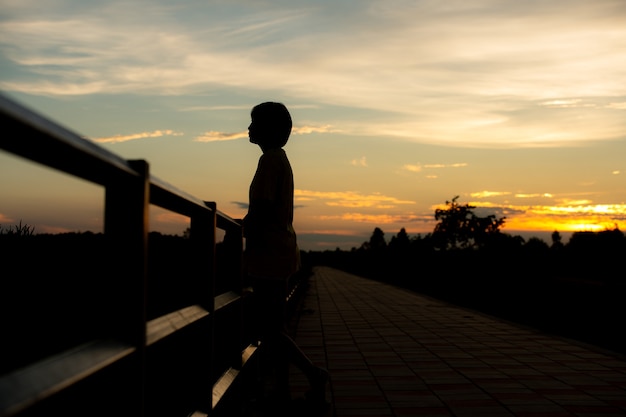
(267, 149)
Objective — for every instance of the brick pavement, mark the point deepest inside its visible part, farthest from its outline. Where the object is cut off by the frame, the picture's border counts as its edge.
(392, 352)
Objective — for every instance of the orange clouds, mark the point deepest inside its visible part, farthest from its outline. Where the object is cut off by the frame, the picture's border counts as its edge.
(569, 217)
(377, 219)
(5, 219)
(562, 224)
(351, 199)
(484, 194)
(305, 130)
(134, 136)
(361, 162)
(420, 167)
(213, 136)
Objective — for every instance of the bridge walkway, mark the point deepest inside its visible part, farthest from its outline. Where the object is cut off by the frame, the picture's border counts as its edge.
(392, 352)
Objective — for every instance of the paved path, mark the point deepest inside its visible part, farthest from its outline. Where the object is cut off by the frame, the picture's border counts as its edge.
(392, 352)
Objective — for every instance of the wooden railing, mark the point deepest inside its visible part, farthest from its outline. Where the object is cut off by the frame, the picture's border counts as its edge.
(179, 362)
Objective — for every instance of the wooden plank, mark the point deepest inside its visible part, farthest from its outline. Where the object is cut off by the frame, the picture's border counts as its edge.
(163, 326)
(248, 353)
(27, 386)
(227, 380)
(221, 387)
(223, 384)
(167, 196)
(225, 299)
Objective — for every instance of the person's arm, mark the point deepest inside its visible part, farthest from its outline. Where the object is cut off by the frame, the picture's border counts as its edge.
(262, 208)
(260, 214)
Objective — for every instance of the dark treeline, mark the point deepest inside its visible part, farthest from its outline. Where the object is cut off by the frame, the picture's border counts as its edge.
(575, 289)
(593, 257)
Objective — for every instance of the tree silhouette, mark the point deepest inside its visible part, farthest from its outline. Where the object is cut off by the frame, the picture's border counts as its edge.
(557, 243)
(460, 228)
(535, 244)
(377, 240)
(401, 241)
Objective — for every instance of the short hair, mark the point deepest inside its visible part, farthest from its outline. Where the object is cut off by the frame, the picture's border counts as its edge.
(276, 120)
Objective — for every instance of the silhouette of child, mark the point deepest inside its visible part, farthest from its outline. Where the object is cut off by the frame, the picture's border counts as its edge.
(272, 253)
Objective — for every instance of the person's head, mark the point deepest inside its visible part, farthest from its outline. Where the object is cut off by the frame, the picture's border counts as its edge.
(271, 125)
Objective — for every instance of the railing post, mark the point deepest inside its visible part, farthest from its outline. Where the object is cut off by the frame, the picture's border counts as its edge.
(203, 235)
(233, 258)
(235, 239)
(126, 228)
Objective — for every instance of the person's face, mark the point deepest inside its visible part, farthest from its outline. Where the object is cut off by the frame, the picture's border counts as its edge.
(253, 132)
(256, 131)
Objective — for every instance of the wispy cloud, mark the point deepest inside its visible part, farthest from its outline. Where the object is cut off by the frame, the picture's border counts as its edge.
(380, 219)
(351, 199)
(244, 107)
(413, 168)
(305, 130)
(241, 204)
(579, 103)
(487, 194)
(533, 195)
(134, 136)
(420, 167)
(619, 106)
(359, 162)
(458, 165)
(213, 108)
(523, 58)
(214, 136)
(567, 103)
(5, 219)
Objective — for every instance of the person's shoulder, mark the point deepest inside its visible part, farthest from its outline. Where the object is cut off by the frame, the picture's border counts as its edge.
(273, 159)
(274, 154)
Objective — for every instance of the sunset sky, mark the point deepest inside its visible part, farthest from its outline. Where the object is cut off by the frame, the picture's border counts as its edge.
(517, 107)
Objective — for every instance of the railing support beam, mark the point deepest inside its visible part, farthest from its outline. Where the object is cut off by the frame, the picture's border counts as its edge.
(126, 227)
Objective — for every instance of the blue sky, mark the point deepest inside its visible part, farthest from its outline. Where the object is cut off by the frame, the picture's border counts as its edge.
(517, 107)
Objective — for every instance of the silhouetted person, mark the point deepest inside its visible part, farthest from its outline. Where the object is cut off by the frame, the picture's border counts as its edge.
(272, 254)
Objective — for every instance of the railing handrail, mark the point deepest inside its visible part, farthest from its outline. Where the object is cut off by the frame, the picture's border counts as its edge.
(72, 145)
(43, 141)
(61, 152)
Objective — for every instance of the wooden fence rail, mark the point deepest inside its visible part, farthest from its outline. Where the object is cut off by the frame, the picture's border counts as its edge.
(178, 362)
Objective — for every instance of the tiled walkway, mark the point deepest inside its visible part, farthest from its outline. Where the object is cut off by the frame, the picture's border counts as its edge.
(391, 352)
